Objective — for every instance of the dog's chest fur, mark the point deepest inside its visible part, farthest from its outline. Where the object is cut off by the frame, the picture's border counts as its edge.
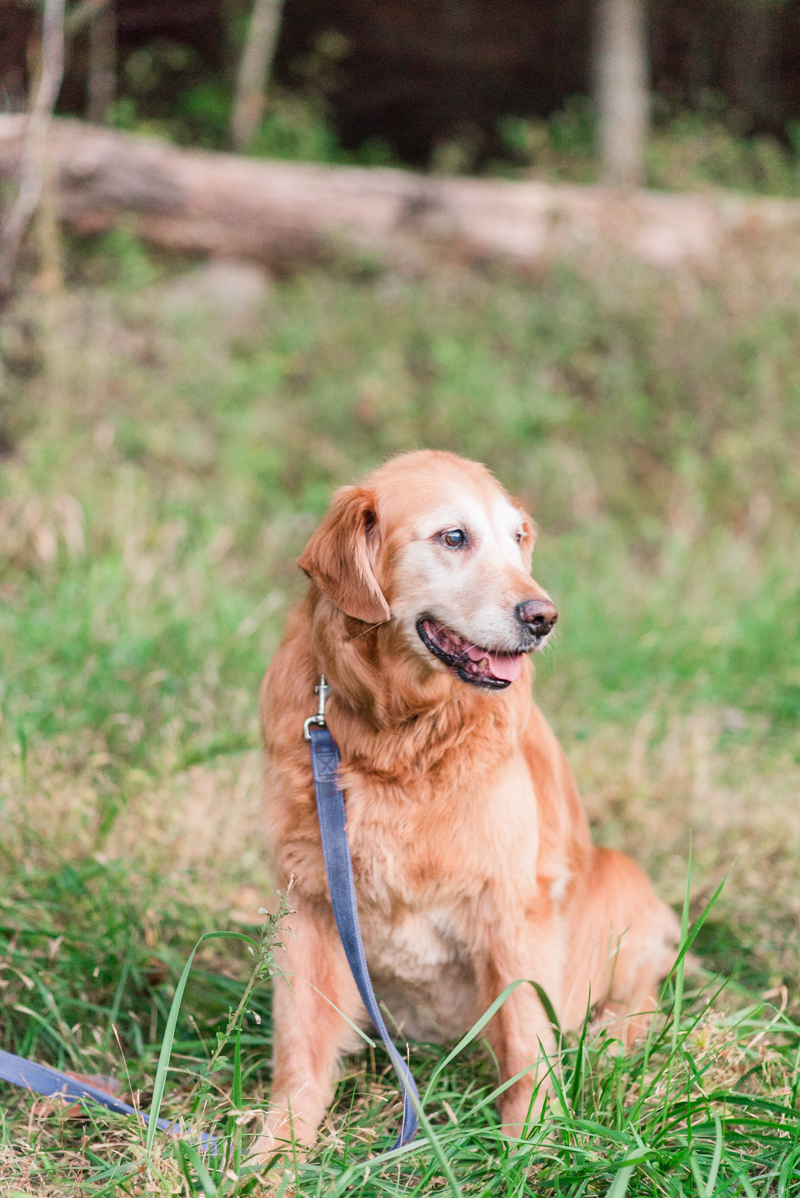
(430, 874)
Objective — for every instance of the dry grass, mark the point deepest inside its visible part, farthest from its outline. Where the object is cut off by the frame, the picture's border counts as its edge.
(703, 776)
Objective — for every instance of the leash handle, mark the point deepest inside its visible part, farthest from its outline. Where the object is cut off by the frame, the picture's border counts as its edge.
(339, 870)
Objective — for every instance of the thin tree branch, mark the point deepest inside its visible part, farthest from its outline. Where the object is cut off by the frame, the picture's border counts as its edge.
(82, 15)
(101, 79)
(34, 149)
(254, 71)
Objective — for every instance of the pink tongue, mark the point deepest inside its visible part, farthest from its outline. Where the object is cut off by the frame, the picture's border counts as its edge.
(507, 666)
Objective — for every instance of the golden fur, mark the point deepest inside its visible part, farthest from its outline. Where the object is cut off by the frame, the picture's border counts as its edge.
(471, 850)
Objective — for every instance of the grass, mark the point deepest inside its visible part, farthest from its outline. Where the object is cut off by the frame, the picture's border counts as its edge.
(168, 454)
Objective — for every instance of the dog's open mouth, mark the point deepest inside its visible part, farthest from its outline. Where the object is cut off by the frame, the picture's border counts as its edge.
(481, 667)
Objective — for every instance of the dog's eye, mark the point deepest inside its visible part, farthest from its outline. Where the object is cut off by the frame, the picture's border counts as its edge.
(519, 537)
(454, 538)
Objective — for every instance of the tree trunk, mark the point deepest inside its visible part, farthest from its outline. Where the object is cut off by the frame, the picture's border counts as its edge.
(254, 71)
(621, 83)
(32, 159)
(101, 83)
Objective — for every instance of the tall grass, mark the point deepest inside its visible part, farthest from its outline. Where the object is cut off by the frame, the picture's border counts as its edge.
(174, 433)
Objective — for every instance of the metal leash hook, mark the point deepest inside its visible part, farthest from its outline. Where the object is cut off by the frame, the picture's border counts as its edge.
(318, 720)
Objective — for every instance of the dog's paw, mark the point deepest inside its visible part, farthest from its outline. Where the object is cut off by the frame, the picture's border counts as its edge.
(280, 1136)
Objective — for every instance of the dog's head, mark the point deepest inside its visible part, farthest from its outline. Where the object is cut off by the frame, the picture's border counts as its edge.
(433, 544)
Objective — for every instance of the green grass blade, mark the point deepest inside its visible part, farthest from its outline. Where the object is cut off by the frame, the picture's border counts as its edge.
(203, 1175)
(577, 1076)
(493, 1095)
(236, 1085)
(549, 1010)
(183, 1165)
(688, 938)
(395, 1155)
(236, 1100)
(697, 1174)
(619, 1186)
(743, 1178)
(346, 1018)
(474, 1031)
(47, 1024)
(717, 1157)
(169, 1034)
(433, 1139)
(282, 1188)
(679, 968)
(166, 1051)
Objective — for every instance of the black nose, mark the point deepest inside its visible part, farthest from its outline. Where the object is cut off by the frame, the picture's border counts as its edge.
(538, 614)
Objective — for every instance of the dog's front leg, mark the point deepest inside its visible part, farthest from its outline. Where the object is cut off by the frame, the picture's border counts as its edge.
(310, 1035)
(520, 1034)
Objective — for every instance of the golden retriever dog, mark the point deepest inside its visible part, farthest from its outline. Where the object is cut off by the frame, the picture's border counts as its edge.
(471, 851)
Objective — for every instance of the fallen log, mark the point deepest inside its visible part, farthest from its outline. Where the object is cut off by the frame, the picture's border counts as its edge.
(283, 214)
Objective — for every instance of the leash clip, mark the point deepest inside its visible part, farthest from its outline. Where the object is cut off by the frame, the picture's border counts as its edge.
(318, 720)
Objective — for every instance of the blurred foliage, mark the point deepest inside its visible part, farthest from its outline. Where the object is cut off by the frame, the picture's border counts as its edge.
(560, 148)
(165, 90)
(687, 149)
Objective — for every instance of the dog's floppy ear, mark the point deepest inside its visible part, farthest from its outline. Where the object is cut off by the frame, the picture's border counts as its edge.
(339, 556)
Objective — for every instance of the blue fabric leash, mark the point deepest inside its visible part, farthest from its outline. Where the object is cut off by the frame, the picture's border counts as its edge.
(41, 1079)
(339, 868)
